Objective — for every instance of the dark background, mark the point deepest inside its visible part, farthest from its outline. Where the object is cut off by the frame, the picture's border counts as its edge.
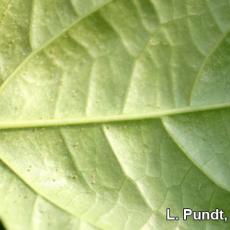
(1, 226)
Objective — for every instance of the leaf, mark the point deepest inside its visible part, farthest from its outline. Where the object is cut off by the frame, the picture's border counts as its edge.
(113, 111)
(23, 208)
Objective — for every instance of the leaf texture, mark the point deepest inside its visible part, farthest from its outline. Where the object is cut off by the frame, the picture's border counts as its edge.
(113, 111)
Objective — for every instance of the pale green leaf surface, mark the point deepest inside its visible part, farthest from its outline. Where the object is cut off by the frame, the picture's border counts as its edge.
(21, 21)
(113, 111)
(21, 208)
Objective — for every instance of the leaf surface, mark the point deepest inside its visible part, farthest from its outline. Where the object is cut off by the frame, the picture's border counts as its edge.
(113, 111)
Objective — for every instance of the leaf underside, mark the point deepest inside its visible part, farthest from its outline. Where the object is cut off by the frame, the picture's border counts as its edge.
(112, 111)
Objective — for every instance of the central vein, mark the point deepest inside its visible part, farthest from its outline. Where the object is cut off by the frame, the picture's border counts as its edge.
(20, 124)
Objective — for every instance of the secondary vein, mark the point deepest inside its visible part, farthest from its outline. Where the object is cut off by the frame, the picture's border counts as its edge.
(46, 44)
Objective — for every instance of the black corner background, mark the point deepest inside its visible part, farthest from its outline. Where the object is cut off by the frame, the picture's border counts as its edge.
(2, 226)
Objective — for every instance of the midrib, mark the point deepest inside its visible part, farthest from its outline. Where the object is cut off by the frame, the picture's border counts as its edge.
(56, 122)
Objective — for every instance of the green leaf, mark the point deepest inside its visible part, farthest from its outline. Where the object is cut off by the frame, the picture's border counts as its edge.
(113, 111)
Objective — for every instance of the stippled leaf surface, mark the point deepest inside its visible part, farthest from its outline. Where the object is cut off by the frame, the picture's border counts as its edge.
(113, 111)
